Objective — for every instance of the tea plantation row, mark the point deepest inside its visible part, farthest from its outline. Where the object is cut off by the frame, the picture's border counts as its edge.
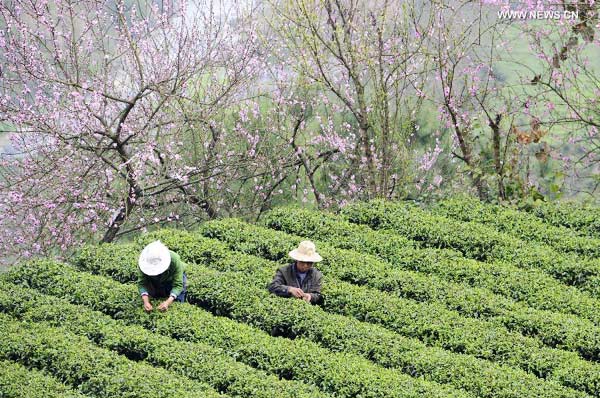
(477, 241)
(583, 220)
(418, 303)
(432, 324)
(243, 281)
(433, 266)
(342, 374)
(517, 223)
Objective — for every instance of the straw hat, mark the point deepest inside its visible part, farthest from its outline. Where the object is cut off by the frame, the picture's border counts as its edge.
(155, 259)
(306, 252)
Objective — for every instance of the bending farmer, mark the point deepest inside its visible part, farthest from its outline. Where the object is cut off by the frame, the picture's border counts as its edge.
(299, 279)
(161, 274)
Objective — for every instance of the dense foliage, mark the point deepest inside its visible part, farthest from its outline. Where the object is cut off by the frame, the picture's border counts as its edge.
(477, 241)
(17, 381)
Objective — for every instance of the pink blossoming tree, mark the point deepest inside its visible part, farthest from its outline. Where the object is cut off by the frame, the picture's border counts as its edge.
(114, 113)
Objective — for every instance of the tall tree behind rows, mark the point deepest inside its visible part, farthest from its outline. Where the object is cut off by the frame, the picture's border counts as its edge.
(564, 91)
(368, 59)
(515, 93)
(102, 100)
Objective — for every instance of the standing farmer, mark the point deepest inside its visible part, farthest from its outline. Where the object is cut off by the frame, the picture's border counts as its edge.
(299, 279)
(161, 273)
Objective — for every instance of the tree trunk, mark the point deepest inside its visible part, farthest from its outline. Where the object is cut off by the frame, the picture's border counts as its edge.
(467, 157)
(495, 126)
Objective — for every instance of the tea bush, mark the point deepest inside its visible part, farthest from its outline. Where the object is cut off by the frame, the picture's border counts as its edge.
(554, 329)
(95, 371)
(16, 381)
(532, 287)
(476, 241)
(194, 360)
(517, 223)
(450, 331)
(341, 373)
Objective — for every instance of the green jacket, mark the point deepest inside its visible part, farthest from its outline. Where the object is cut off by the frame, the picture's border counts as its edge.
(172, 276)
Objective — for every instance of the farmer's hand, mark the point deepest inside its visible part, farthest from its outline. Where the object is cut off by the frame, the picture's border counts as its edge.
(147, 305)
(296, 292)
(306, 297)
(165, 304)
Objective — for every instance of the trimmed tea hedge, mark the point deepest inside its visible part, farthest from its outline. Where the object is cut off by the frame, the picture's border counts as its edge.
(95, 371)
(293, 318)
(475, 240)
(585, 220)
(517, 223)
(16, 381)
(195, 360)
(405, 314)
(553, 329)
(345, 375)
(430, 323)
(533, 287)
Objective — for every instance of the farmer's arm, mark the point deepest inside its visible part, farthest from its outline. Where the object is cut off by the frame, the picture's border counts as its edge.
(278, 286)
(142, 282)
(315, 291)
(177, 274)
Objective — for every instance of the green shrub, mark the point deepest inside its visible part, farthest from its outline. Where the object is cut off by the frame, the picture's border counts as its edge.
(195, 360)
(585, 220)
(474, 240)
(517, 223)
(553, 329)
(532, 287)
(16, 381)
(432, 323)
(95, 371)
(345, 375)
(238, 299)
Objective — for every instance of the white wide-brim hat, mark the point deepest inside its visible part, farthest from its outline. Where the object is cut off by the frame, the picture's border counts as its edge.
(154, 259)
(306, 252)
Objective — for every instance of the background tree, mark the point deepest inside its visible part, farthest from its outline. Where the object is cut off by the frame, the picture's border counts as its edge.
(102, 100)
(367, 59)
(563, 87)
